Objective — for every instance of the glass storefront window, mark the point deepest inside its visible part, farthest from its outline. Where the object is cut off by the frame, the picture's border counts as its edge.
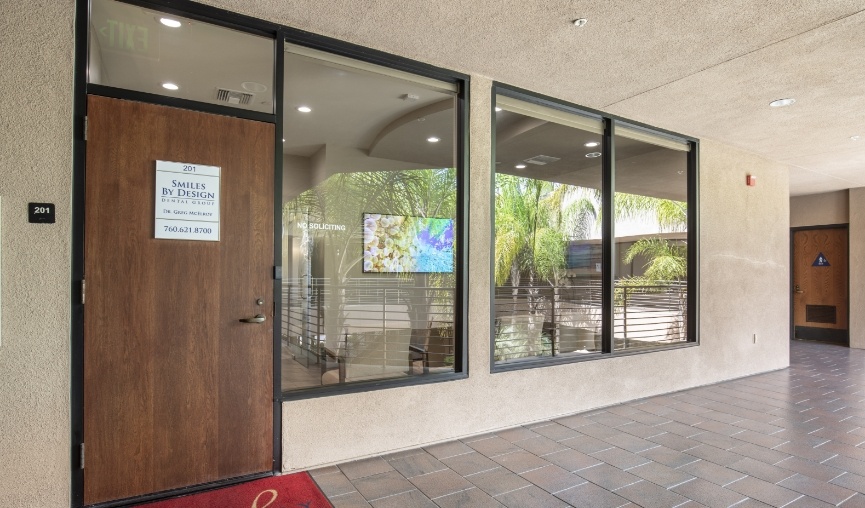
(142, 49)
(547, 256)
(651, 244)
(369, 223)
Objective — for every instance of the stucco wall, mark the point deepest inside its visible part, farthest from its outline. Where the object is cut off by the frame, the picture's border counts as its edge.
(744, 235)
(857, 261)
(819, 209)
(36, 52)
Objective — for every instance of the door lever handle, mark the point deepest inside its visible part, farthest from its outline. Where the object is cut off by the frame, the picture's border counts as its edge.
(258, 318)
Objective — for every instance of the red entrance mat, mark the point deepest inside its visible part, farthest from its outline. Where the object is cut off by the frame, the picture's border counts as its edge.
(296, 490)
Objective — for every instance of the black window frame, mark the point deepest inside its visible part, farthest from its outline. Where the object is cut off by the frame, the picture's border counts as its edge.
(608, 161)
(462, 82)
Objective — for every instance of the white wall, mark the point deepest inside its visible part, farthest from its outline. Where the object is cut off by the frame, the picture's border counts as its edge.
(820, 209)
(857, 267)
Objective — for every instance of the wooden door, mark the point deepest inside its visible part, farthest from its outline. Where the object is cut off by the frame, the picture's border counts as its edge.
(177, 391)
(820, 284)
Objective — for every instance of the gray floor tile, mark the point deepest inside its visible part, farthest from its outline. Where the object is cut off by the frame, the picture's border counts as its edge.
(763, 491)
(850, 481)
(668, 456)
(449, 449)
(493, 446)
(553, 478)
(334, 484)
(716, 455)
(531, 496)
(810, 468)
(586, 444)
(675, 441)
(608, 477)
(440, 483)
(857, 501)
(556, 432)
(767, 455)
(411, 499)
(640, 430)
(761, 470)
(572, 460)
(516, 434)
(649, 495)
(619, 458)
(498, 481)
(660, 474)
(365, 467)
(472, 498)
(352, 500)
(823, 491)
(709, 494)
(541, 446)
(712, 472)
(414, 465)
(382, 485)
(631, 443)
(589, 495)
(521, 461)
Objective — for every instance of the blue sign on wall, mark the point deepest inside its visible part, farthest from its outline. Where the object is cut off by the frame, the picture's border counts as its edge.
(820, 261)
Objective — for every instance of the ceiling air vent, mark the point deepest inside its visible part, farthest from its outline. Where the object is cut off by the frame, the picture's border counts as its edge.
(233, 96)
(540, 160)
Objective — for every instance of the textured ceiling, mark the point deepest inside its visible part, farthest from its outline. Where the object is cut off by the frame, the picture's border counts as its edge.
(707, 69)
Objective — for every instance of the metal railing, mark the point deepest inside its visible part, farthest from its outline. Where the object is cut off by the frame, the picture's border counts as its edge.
(372, 326)
(566, 319)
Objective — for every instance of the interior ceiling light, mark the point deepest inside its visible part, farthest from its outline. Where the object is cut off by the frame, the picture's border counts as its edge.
(593, 155)
(172, 23)
(498, 109)
(433, 139)
(170, 86)
(520, 166)
(252, 86)
(780, 103)
(304, 109)
(591, 144)
(581, 22)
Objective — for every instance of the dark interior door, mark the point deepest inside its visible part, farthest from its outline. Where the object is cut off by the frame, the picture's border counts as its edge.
(177, 390)
(820, 281)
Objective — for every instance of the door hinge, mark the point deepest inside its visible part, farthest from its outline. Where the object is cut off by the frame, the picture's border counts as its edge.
(81, 456)
(85, 128)
(83, 290)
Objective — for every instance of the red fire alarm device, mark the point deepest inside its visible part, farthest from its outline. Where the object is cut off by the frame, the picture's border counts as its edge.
(751, 180)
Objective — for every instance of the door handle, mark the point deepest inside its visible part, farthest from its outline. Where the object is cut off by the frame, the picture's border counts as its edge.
(797, 290)
(258, 318)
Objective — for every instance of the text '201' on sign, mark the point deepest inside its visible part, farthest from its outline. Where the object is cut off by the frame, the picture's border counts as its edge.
(187, 201)
(41, 213)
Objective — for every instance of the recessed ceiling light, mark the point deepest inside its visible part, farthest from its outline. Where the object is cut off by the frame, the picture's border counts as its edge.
(252, 86)
(283, 140)
(433, 139)
(520, 166)
(172, 23)
(498, 109)
(304, 109)
(593, 155)
(856, 138)
(170, 86)
(591, 144)
(580, 22)
(780, 103)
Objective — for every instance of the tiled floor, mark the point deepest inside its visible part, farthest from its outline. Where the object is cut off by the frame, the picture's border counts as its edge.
(788, 438)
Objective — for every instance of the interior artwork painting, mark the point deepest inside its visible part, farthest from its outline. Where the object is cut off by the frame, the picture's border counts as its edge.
(399, 243)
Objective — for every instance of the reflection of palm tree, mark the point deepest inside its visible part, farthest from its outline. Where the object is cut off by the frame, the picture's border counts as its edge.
(343, 197)
(535, 219)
